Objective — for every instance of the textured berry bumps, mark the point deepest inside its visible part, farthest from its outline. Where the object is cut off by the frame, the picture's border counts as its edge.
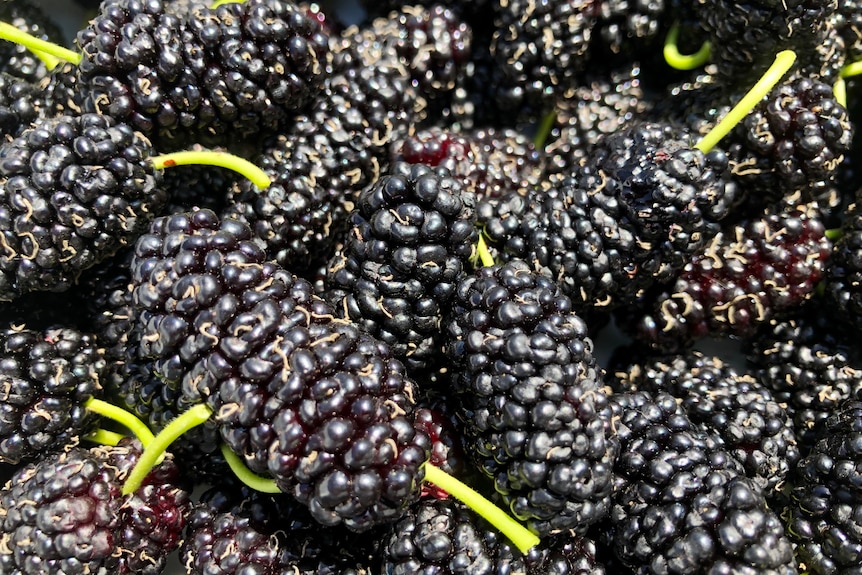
(535, 419)
(301, 396)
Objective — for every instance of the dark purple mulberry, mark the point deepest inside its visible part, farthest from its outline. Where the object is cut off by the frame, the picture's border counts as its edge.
(75, 190)
(300, 395)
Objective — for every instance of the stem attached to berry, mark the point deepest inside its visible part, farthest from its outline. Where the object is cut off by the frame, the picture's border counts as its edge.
(839, 89)
(104, 437)
(153, 452)
(37, 45)
(683, 61)
(246, 475)
(783, 61)
(218, 3)
(523, 539)
(209, 158)
(544, 130)
(517, 533)
(123, 417)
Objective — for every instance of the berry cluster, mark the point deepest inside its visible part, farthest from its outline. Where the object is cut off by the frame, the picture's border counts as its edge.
(451, 287)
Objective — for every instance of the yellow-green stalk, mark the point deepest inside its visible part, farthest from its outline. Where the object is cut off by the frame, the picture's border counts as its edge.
(37, 45)
(154, 452)
(209, 158)
(121, 416)
(199, 414)
(683, 61)
(783, 61)
(104, 437)
(246, 475)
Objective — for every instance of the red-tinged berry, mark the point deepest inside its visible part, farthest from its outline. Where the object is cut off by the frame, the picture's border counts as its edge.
(745, 275)
(299, 395)
(489, 163)
(65, 514)
(447, 452)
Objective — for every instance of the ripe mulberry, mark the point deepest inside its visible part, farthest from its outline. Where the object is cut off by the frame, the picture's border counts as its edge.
(302, 396)
(535, 417)
(412, 234)
(681, 502)
(76, 189)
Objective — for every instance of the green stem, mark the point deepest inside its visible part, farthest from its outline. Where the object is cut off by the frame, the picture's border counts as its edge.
(834, 234)
(783, 61)
(13, 34)
(123, 417)
(517, 533)
(153, 452)
(104, 437)
(218, 3)
(50, 61)
(683, 61)
(484, 253)
(852, 69)
(246, 475)
(544, 130)
(209, 158)
(840, 91)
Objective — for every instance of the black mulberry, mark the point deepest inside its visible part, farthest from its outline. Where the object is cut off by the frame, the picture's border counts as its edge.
(531, 400)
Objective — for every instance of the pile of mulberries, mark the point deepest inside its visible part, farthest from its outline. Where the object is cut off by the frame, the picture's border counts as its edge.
(493, 239)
